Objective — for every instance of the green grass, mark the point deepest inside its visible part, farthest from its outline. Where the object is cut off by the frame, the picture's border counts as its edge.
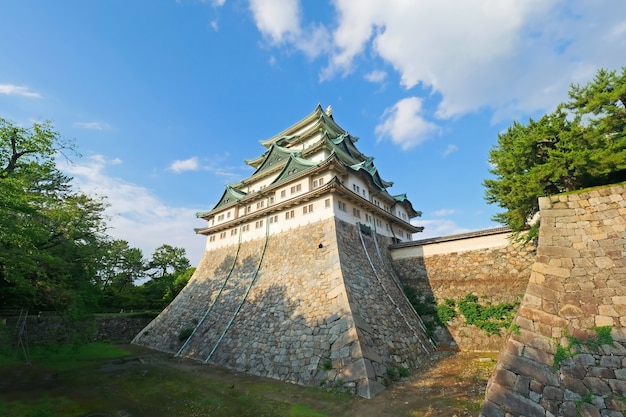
(297, 410)
(79, 380)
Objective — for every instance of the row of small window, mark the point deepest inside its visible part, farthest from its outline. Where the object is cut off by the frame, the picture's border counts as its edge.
(290, 214)
(357, 189)
(294, 189)
(357, 213)
(283, 194)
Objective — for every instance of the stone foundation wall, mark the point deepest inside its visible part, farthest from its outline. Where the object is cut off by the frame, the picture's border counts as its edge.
(305, 306)
(497, 275)
(578, 282)
(57, 330)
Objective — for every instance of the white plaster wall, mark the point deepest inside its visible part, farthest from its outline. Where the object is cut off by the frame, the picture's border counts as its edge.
(459, 245)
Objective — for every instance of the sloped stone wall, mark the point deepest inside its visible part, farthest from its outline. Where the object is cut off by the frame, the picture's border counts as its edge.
(499, 275)
(578, 282)
(305, 306)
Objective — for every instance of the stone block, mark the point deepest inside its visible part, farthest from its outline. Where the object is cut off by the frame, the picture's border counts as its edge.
(589, 410)
(491, 410)
(527, 367)
(610, 361)
(513, 403)
(504, 378)
(618, 387)
(553, 393)
(551, 270)
(597, 385)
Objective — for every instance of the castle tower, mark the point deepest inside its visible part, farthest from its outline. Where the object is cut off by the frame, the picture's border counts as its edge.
(296, 281)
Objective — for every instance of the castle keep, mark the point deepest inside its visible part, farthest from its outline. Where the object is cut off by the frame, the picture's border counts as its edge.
(296, 281)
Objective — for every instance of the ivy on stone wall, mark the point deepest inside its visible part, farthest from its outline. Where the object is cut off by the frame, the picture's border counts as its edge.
(489, 317)
(574, 345)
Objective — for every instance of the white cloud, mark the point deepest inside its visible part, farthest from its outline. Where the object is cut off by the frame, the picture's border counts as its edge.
(512, 57)
(18, 90)
(404, 124)
(376, 76)
(92, 125)
(136, 215)
(277, 20)
(438, 228)
(451, 148)
(443, 212)
(191, 164)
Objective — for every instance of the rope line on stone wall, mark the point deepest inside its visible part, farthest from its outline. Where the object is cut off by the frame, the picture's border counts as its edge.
(397, 281)
(369, 259)
(206, 313)
(252, 281)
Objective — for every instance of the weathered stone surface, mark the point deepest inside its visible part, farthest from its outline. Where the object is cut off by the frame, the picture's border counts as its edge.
(578, 282)
(254, 309)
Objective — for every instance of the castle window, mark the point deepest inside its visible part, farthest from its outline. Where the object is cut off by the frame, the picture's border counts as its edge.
(327, 203)
(307, 209)
(273, 219)
(356, 212)
(318, 182)
(368, 218)
(283, 193)
(212, 238)
(233, 232)
(289, 214)
(342, 206)
(296, 188)
(228, 215)
(222, 235)
(260, 205)
(258, 224)
(271, 200)
(245, 228)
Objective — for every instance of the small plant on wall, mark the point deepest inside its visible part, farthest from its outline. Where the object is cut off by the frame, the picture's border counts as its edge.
(574, 345)
(489, 317)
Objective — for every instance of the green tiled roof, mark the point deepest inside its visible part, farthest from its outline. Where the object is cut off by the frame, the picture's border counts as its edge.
(231, 195)
(295, 165)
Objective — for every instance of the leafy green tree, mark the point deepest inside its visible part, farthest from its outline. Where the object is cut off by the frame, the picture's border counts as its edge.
(120, 267)
(177, 285)
(581, 144)
(168, 260)
(166, 265)
(48, 231)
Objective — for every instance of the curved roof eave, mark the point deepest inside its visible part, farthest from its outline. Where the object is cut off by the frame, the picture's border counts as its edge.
(231, 195)
(315, 118)
(294, 165)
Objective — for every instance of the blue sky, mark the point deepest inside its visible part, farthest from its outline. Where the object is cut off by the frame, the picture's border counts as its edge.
(165, 99)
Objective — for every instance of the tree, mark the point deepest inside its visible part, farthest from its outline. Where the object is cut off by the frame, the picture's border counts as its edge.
(168, 263)
(581, 144)
(168, 260)
(120, 265)
(47, 230)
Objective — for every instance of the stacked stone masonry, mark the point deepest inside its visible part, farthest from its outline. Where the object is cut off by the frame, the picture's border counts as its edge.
(308, 306)
(499, 275)
(578, 283)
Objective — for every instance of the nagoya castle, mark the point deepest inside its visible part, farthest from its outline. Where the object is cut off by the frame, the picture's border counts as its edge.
(296, 281)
